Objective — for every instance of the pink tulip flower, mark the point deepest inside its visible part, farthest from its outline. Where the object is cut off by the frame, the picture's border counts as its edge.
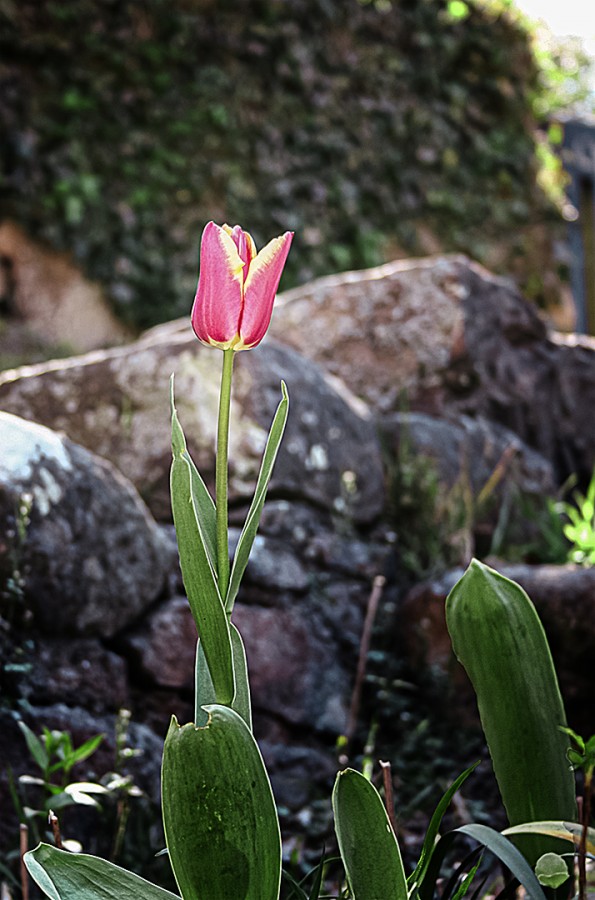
(236, 287)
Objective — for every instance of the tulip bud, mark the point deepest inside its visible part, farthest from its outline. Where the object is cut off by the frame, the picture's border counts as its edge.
(236, 287)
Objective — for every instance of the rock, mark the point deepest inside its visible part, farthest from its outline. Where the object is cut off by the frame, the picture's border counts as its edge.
(162, 648)
(90, 557)
(484, 482)
(472, 449)
(77, 672)
(450, 337)
(116, 403)
(563, 597)
(45, 291)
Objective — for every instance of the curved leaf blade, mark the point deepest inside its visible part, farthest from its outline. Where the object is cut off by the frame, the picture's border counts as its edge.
(566, 831)
(367, 843)
(77, 876)
(246, 540)
(219, 814)
(512, 858)
(200, 583)
(429, 843)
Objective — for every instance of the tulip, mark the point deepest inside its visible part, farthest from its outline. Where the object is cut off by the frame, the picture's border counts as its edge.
(237, 286)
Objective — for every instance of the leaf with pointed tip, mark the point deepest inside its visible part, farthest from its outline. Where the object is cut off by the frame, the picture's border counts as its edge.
(246, 540)
(507, 853)
(566, 831)
(205, 693)
(419, 872)
(203, 501)
(77, 876)
(367, 843)
(219, 814)
(199, 580)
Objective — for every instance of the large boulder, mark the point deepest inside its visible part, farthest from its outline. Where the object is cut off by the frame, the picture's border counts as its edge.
(445, 335)
(116, 402)
(76, 539)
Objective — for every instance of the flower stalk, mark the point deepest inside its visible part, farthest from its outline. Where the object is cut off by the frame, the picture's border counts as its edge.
(221, 473)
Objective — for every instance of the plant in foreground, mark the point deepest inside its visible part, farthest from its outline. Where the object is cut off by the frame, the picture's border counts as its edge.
(221, 826)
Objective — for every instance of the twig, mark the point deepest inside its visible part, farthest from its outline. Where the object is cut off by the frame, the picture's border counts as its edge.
(364, 648)
(389, 801)
(24, 846)
(55, 825)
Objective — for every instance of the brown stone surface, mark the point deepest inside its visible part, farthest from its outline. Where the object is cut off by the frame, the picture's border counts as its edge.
(46, 291)
(450, 337)
(116, 403)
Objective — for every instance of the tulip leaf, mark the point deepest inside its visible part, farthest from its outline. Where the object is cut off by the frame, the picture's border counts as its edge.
(205, 693)
(219, 814)
(77, 876)
(250, 528)
(201, 497)
(367, 843)
(200, 582)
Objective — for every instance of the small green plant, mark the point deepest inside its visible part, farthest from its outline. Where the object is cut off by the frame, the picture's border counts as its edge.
(55, 756)
(580, 527)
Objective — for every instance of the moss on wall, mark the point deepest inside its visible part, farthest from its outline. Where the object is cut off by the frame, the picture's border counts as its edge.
(127, 125)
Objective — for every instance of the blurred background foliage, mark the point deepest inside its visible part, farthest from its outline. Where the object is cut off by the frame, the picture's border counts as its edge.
(372, 129)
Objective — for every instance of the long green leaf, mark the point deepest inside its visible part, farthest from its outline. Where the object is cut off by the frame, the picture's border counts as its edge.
(566, 831)
(512, 858)
(205, 692)
(419, 872)
(203, 502)
(76, 876)
(200, 582)
(35, 747)
(250, 528)
(367, 843)
(497, 636)
(219, 814)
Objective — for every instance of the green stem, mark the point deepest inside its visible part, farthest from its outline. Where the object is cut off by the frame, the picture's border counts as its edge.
(221, 473)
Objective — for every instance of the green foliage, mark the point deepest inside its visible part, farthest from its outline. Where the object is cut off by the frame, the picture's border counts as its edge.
(551, 870)
(367, 842)
(580, 526)
(55, 756)
(351, 123)
(219, 814)
(497, 636)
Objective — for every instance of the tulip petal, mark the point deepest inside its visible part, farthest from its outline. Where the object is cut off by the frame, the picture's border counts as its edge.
(218, 303)
(260, 288)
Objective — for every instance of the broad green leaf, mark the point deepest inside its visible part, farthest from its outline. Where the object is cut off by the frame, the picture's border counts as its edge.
(36, 748)
(499, 639)
(201, 585)
(203, 502)
(507, 853)
(419, 872)
(551, 870)
(367, 843)
(244, 547)
(566, 831)
(219, 814)
(77, 876)
(205, 693)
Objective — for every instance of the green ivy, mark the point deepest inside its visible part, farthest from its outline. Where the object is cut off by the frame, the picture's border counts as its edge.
(126, 126)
